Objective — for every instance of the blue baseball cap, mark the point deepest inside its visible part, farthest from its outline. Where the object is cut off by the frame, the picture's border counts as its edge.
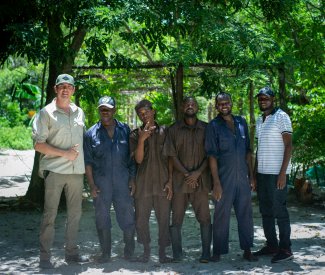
(106, 101)
(266, 91)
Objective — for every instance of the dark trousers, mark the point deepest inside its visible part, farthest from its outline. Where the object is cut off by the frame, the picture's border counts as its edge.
(200, 204)
(143, 207)
(273, 206)
(237, 194)
(124, 210)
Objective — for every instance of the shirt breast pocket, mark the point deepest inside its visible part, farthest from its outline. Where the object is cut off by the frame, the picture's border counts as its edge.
(79, 127)
(98, 150)
(123, 148)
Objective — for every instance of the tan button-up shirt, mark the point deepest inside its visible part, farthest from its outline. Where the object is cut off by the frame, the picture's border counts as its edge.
(187, 144)
(61, 130)
(152, 173)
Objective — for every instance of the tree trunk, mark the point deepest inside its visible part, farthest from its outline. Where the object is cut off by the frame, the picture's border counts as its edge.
(56, 53)
(179, 91)
(240, 105)
(35, 192)
(282, 88)
(173, 88)
(251, 115)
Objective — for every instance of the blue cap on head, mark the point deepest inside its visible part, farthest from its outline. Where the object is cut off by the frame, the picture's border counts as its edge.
(106, 101)
(266, 91)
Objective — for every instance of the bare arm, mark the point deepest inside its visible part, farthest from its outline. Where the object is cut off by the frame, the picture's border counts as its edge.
(178, 165)
(287, 140)
(169, 184)
(250, 171)
(90, 179)
(46, 149)
(217, 189)
(193, 176)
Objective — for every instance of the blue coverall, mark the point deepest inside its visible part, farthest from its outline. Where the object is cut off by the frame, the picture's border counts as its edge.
(112, 167)
(230, 150)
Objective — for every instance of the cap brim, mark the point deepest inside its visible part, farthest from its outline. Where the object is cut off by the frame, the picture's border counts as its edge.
(263, 94)
(106, 105)
(61, 82)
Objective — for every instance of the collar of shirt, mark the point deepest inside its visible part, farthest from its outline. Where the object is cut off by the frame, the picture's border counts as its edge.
(117, 124)
(198, 125)
(54, 108)
(272, 113)
(220, 118)
(237, 119)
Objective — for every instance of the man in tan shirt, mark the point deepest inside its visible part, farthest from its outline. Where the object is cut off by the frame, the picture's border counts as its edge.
(153, 186)
(58, 135)
(191, 179)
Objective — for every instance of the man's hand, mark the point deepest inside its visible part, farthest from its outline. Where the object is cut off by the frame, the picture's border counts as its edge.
(217, 191)
(253, 184)
(72, 153)
(192, 179)
(169, 189)
(146, 132)
(94, 191)
(281, 183)
(132, 186)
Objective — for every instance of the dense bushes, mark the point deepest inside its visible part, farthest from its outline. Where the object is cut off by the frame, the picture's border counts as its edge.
(19, 137)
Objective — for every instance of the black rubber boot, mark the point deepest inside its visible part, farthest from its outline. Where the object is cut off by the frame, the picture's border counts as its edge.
(163, 258)
(105, 245)
(206, 233)
(176, 238)
(128, 237)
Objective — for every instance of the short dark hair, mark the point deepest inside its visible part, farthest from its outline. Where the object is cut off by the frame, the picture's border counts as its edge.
(144, 103)
(222, 95)
(187, 98)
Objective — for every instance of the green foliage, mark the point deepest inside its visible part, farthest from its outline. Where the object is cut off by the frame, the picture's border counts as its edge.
(211, 82)
(309, 130)
(18, 137)
(162, 103)
(19, 97)
(247, 39)
(276, 9)
(96, 50)
(10, 115)
(28, 95)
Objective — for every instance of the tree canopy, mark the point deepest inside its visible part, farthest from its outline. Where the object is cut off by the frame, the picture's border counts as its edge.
(165, 48)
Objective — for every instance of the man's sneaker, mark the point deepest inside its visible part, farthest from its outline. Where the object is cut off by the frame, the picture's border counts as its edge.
(76, 259)
(282, 255)
(46, 264)
(266, 250)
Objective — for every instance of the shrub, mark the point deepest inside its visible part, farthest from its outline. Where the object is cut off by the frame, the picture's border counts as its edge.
(19, 138)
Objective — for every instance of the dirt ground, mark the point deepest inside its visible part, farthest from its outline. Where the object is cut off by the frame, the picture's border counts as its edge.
(19, 238)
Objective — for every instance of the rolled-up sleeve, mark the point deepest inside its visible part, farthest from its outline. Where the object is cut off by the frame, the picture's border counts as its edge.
(248, 144)
(211, 141)
(40, 128)
(169, 148)
(131, 137)
(133, 141)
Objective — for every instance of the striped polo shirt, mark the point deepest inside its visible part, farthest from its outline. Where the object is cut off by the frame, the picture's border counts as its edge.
(270, 146)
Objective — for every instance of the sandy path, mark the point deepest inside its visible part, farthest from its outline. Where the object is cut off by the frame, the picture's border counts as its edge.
(19, 238)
